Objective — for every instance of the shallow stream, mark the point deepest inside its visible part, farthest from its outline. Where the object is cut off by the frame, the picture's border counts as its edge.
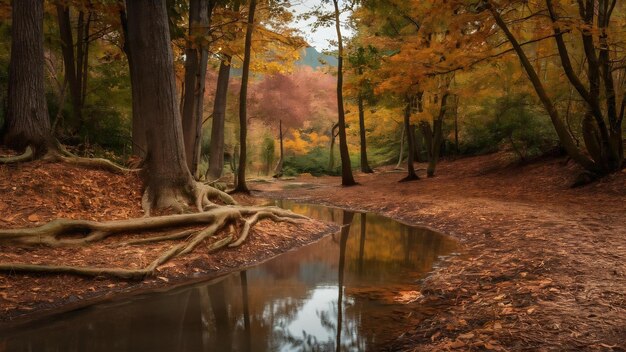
(346, 292)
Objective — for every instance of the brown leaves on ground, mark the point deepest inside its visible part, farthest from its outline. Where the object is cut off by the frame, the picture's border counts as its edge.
(37, 192)
(542, 266)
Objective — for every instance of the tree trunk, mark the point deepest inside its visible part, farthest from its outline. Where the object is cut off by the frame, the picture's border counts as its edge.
(417, 144)
(243, 103)
(411, 157)
(27, 121)
(279, 167)
(456, 125)
(168, 178)
(216, 152)
(565, 138)
(365, 167)
(401, 146)
(346, 168)
(138, 129)
(196, 57)
(437, 138)
(69, 63)
(331, 159)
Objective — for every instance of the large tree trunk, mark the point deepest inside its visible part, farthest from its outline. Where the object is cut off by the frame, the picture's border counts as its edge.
(216, 152)
(196, 57)
(27, 121)
(365, 167)
(243, 103)
(346, 168)
(169, 181)
(411, 175)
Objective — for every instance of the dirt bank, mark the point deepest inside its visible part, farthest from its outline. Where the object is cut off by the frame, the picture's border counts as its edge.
(544, 264)
(35, 193)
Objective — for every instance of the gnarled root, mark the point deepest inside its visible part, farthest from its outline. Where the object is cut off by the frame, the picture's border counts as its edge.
(217, 219)
(176, 199)
(26, 156)
(63, 155)
(60, 154)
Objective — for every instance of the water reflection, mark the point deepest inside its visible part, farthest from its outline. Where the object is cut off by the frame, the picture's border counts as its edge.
(341, 293)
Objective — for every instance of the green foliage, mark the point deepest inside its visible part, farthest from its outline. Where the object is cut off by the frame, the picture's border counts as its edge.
(315, 162)
(267, 153)
(513, 122)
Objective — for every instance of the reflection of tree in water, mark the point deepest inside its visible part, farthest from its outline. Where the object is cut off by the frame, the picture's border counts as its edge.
(370, 263)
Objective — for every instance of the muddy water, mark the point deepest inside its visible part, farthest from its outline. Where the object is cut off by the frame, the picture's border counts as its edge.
(347, 292)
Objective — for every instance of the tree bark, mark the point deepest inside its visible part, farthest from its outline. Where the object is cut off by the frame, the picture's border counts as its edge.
(346, 168)
(138, 129)
(168, 178)
(216, 152)
(437, 138)
(27, 121)
(196, 58)
(400, 155)
(67, 49)
(331, 158)
(411, 175)
(365, 167)
(243, 103)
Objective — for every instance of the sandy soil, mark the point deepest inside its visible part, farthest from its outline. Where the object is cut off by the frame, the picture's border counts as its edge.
(34, 193)
(542, 266)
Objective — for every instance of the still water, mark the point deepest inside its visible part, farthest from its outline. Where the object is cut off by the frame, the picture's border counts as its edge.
(346, 292)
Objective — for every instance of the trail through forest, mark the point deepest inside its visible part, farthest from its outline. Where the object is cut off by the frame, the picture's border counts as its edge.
(542, 266)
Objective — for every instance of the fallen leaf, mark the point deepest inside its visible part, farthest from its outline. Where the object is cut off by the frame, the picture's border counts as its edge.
(466, 336)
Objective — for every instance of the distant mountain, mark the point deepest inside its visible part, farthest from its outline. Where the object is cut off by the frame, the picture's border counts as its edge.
(312, 57)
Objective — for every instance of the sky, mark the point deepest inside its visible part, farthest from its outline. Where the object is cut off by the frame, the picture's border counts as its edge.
(319, 38)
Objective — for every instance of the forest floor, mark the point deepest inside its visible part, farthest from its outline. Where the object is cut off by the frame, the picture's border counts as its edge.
(543, 265)
(34, 193)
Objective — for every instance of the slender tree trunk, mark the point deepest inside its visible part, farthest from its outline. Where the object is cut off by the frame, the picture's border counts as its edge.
(346, 168)
(365, 167)
(243, 103)
(417, 154)
(437, 138)
(456, 125)
(75, 61)
(279, 167)
(216, 152)
(196, 57)
(400, 155)
(565, 138)
(85, 63)
(411, 157)
(168, 178)
(27, 121)
(333, 136)
(138, 130)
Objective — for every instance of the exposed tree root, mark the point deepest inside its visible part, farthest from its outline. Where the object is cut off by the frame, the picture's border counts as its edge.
(63, 155)
(51, 234)
(26, 156)
(176, 200)
(60, 154)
